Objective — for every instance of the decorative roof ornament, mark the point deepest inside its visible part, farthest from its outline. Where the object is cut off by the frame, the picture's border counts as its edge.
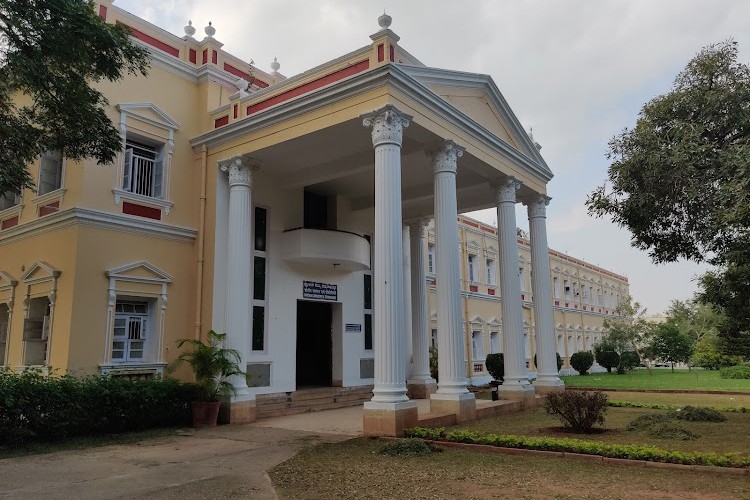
(242, 86)
(385, 21)
(275, 66)
(531, 136)
(210, 30)
(189, 29)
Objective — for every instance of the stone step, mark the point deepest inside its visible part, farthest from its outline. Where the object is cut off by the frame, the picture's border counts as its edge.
(436, 419)
(295, 410)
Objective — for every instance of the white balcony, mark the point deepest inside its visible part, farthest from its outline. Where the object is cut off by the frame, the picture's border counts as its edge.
(337, 250)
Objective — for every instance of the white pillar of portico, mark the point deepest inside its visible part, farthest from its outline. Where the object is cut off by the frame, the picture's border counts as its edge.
(547, 379)
(390, 411)
(420, 383)
(407, 302)
(452, 394)
(241, 406)
(516, 383)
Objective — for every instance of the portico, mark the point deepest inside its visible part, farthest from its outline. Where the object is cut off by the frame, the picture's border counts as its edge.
(347, 177)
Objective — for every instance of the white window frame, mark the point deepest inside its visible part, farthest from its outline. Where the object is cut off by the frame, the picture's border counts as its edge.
(490, 263)
(495, 342)
(143, 175)
(132, 321)
(431, 258)
(60, 173)
(477, 345)
(264, 302)
(137, 121)
(521, 278)
(472, 268)
(40, 280)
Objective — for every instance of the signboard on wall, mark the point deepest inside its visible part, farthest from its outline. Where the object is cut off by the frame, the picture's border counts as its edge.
(319, 291)
(354, 327)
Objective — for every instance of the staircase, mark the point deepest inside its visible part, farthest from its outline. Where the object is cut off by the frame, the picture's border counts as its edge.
(309, 400)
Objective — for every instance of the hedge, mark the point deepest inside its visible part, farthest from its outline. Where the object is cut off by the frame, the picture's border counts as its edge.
(37, 407)
(627, 451)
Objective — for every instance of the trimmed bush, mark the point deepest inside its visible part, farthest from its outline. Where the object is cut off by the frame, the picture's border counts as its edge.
(629, 360)
(736, 372)
(670, 430)
(577, 410)
(697, 414)
(37, 407)
(643, 422)
(626, 451)
(607, 358)
(582, 361)
(410, 447)
(495, 365)
(559, 361)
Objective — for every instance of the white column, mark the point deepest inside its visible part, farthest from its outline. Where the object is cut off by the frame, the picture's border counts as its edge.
(547, 375)
(407, 302)
(516, 382)
(239, 266)
(451, 345)
(420, 375)
(390, 375)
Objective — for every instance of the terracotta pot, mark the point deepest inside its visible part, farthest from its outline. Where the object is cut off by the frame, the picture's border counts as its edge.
(205, 413)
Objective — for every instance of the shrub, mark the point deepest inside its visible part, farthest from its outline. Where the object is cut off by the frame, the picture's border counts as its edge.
(643, 422)
(606, 357)
(34, 406)
(434, 363)
(582, 361)
(577, 410)
(629, 360)
(410, 447)
(670, 430)
(559, 361)
(495, 364)
(698, 414)
(736, 372)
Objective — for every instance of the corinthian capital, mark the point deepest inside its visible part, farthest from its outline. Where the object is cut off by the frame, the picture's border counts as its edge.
(239, 169)
(446, 158)
(387, 124)
(537, 206)
(505, 191)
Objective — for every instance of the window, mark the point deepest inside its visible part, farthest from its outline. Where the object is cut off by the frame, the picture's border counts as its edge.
(566, 288)
(260, 277)
(477, 349)
(431, 258)
(433, 338)
(494, 342)
(4, 327)
(368, 310)
(50, 172)
(556, 287)
(521, 279)
(472, 268)
(490, 272)
(144, 170)
(9, 199)
(130, 332)
(36, 330)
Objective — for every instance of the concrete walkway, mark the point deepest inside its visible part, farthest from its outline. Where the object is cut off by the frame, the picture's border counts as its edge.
(225, 462)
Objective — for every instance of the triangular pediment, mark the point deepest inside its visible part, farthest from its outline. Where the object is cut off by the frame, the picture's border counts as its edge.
(7, 281)
(140, 271)
(494, 322)
(150, 113)
(477, 319)
(40, 271)
(478, 97)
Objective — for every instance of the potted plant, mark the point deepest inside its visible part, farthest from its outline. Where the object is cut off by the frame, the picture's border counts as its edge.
(213, 365)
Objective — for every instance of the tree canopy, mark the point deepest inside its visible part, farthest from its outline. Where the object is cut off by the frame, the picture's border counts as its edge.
(52, 54)
(680, 179)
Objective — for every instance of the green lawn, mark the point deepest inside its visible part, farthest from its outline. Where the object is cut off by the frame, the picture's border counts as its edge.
(687, 380)
(356, 469)
(682, 399)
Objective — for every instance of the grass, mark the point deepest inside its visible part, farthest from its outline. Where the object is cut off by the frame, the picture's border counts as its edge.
(82, 442)
(356, 469)
(725, 437)
(713, 400)
(686, 380)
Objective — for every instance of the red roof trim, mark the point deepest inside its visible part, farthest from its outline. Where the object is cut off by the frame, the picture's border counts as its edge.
(172, 51)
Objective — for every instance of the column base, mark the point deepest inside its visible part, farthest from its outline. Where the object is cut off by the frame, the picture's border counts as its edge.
(237, 411)
(420, 389)
(463, 405)
(516, 391)
(547, 385)
(388, 419)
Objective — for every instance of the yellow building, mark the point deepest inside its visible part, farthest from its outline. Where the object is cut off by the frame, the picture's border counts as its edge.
(287, 213)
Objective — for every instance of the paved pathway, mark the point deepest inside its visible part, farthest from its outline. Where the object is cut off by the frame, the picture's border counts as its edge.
(225, 462)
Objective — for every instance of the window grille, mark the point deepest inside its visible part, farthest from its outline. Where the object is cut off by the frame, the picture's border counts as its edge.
(144, 171)
(129, 336)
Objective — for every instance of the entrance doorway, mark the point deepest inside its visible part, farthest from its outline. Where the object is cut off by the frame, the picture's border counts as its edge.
(314, 344)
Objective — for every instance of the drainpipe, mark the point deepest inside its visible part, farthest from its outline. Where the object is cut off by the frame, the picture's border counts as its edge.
(201, 238)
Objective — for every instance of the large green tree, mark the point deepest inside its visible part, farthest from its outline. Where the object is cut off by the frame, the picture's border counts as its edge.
(680, 179)
(52, 54)
(629, 330)
(669, 344)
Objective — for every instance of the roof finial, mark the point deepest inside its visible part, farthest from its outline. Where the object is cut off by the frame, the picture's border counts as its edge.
(209, 30)
(189, 30)
(385, 20)
(275, 66)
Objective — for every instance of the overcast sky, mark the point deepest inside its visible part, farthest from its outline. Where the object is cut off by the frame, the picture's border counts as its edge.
(577, 71)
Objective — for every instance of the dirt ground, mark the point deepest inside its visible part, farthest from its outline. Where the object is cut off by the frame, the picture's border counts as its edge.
(226, 462)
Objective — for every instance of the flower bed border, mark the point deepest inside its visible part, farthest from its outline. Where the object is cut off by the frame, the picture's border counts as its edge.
(605, 451)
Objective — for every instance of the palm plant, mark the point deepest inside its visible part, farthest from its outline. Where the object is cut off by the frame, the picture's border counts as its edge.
(212, 364)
